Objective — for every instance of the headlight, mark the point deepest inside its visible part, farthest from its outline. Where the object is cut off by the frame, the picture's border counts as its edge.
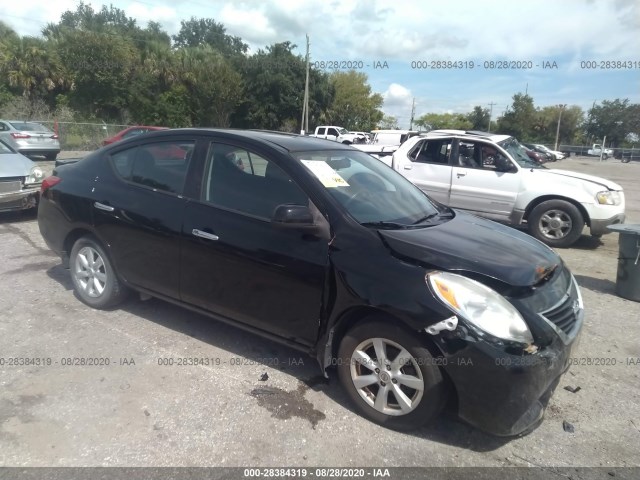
(35, 175)
(480, 305)
(608, 198)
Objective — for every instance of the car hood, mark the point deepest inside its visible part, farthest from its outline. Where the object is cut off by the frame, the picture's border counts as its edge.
(471, 244)
(14, 165)
(581, 176)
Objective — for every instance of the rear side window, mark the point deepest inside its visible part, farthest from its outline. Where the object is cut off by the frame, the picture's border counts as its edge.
(161, 165)
(431, 151)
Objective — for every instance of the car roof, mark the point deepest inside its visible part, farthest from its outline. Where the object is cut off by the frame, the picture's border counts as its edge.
(291, 142)
(492, 137)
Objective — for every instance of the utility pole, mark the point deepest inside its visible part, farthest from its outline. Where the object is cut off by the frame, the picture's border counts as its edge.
(558, 128)
(305, 102)
(413, 111)
(490, 115)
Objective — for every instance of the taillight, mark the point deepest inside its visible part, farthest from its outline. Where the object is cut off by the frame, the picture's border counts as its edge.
(49, 182)
(20, 135)
(54, 136)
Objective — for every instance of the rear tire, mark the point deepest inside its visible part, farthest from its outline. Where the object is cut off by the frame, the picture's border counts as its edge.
(557, 223)
(51, 156)
(94, 279)
(402, 395)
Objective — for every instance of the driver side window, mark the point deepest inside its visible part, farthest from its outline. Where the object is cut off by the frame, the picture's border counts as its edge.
(243, 181)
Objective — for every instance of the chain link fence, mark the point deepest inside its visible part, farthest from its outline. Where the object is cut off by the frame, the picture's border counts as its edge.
(82, 136)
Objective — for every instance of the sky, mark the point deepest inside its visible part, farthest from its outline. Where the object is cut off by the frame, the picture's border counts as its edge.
(574, 52)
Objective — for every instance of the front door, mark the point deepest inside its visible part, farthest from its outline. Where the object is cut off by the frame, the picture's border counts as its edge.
(235, 263)
(476, 184)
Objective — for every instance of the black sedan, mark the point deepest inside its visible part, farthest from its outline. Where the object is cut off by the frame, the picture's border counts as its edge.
(326, 249)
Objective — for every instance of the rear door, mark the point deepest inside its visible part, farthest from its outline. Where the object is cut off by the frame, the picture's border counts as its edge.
(138, 210)
(428, 166)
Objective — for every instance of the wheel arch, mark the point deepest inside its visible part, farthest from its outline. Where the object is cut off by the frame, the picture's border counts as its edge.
(356, 315)
(538, 200)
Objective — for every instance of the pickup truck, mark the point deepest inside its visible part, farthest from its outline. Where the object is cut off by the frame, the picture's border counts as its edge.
(337, 134)
(594, 150)
(491, 176)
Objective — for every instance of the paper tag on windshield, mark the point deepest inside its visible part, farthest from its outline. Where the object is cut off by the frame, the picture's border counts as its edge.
(327, 175)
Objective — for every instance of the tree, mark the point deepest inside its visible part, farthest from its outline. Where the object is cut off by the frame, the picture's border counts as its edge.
(520, 119)
(200, 32)
(215, 88)
(388, 122)
(547, 124)
(435, 121)
(479, 118)
(32, 67)
(274, 80)
(354, 106)
(616, 119)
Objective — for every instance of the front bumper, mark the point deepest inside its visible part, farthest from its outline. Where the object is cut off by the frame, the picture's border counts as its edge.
(22, 200)
(504, 394)
(599, 227)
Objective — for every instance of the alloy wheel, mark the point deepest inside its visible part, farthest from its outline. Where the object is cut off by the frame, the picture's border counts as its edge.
(386, 376)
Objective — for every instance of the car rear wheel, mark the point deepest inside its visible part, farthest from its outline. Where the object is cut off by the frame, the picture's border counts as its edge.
(51, 156)
(94, 278)
(556, 222)
(390, 376)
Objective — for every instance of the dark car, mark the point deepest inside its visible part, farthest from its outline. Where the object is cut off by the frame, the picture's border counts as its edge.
(130, 132)
(535, 156)
(326, 249)
(546, 154)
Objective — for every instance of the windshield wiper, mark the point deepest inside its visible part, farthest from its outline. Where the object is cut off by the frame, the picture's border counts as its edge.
(385, 225)
(426, 217)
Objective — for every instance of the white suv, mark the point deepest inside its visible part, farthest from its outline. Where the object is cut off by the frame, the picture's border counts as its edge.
(491, 176)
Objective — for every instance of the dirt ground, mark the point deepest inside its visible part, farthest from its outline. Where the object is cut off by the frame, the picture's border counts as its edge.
(242, 411)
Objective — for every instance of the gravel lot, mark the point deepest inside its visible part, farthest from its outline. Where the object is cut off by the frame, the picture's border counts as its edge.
(135, 412)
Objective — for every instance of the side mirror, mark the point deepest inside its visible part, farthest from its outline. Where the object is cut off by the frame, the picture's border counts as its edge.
(293, 216)
(504, 165)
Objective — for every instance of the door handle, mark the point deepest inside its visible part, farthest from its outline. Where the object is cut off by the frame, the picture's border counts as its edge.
(461, 174)
(201, 234)
(102, 206)
(408, 167)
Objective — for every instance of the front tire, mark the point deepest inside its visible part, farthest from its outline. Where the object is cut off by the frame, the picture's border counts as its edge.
(94, 279)
(390, 376)
(556, 222)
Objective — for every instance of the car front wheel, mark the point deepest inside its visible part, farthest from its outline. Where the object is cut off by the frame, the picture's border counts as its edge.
(556, 222)
(390, 376)
(94, 278)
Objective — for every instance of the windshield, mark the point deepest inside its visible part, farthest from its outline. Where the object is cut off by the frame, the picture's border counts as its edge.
(519, 153)
(4, 148)
(343, 131)
(370, 191)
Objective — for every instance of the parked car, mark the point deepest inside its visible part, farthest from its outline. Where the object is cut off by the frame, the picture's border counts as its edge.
(30, 138)
(19, 180)
(361, 137)
(336, 134)
(539, 158)
(130, 132)
(549, 157)
(324, 248)
(556, 154)
(490, 175)
(385, 142)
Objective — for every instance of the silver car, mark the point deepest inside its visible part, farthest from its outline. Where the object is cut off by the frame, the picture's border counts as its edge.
(30, 138)
(20, 180)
